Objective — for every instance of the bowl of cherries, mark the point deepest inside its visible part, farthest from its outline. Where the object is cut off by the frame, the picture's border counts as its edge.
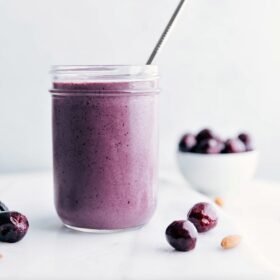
(215, 166)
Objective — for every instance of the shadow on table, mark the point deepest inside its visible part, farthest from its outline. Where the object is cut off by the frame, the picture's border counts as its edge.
(53, 224)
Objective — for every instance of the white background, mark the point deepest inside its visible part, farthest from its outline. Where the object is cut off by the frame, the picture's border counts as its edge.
(220, 68)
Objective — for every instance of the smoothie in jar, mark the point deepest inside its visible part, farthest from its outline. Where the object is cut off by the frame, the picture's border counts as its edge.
(105, 145)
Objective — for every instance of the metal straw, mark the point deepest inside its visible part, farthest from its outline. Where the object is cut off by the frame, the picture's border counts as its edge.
(165, 32)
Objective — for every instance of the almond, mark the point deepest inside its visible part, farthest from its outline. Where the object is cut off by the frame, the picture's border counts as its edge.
(219, 201)
(231, 241)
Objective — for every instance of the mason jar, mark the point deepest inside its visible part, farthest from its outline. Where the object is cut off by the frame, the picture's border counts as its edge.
(105, 145)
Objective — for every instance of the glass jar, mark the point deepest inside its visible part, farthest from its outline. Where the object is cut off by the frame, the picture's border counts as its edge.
(105, 145)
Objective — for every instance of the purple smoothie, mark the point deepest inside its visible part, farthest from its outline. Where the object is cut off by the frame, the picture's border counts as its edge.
(105, 153)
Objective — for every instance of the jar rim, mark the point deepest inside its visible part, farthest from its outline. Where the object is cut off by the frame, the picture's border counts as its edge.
(104, 79)
(104, 72)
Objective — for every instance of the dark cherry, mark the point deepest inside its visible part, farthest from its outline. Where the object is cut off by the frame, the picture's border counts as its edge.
(187, 142)
(234, 146)
(3, 207)
(13, 226)
(208, 146)
(181, 235)
(246, 139)
(205, 134)
(203, 216)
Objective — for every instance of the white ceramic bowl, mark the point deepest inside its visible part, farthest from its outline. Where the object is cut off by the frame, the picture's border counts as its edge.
(220, 173)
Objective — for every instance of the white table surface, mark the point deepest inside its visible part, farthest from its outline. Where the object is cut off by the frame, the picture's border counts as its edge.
(50, 251)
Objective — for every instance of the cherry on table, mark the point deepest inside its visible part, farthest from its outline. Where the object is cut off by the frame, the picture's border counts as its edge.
(13, 226)
(203, 216)
(181, 235)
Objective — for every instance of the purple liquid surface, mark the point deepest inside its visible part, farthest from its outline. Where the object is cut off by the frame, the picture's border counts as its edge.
(105, 155)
